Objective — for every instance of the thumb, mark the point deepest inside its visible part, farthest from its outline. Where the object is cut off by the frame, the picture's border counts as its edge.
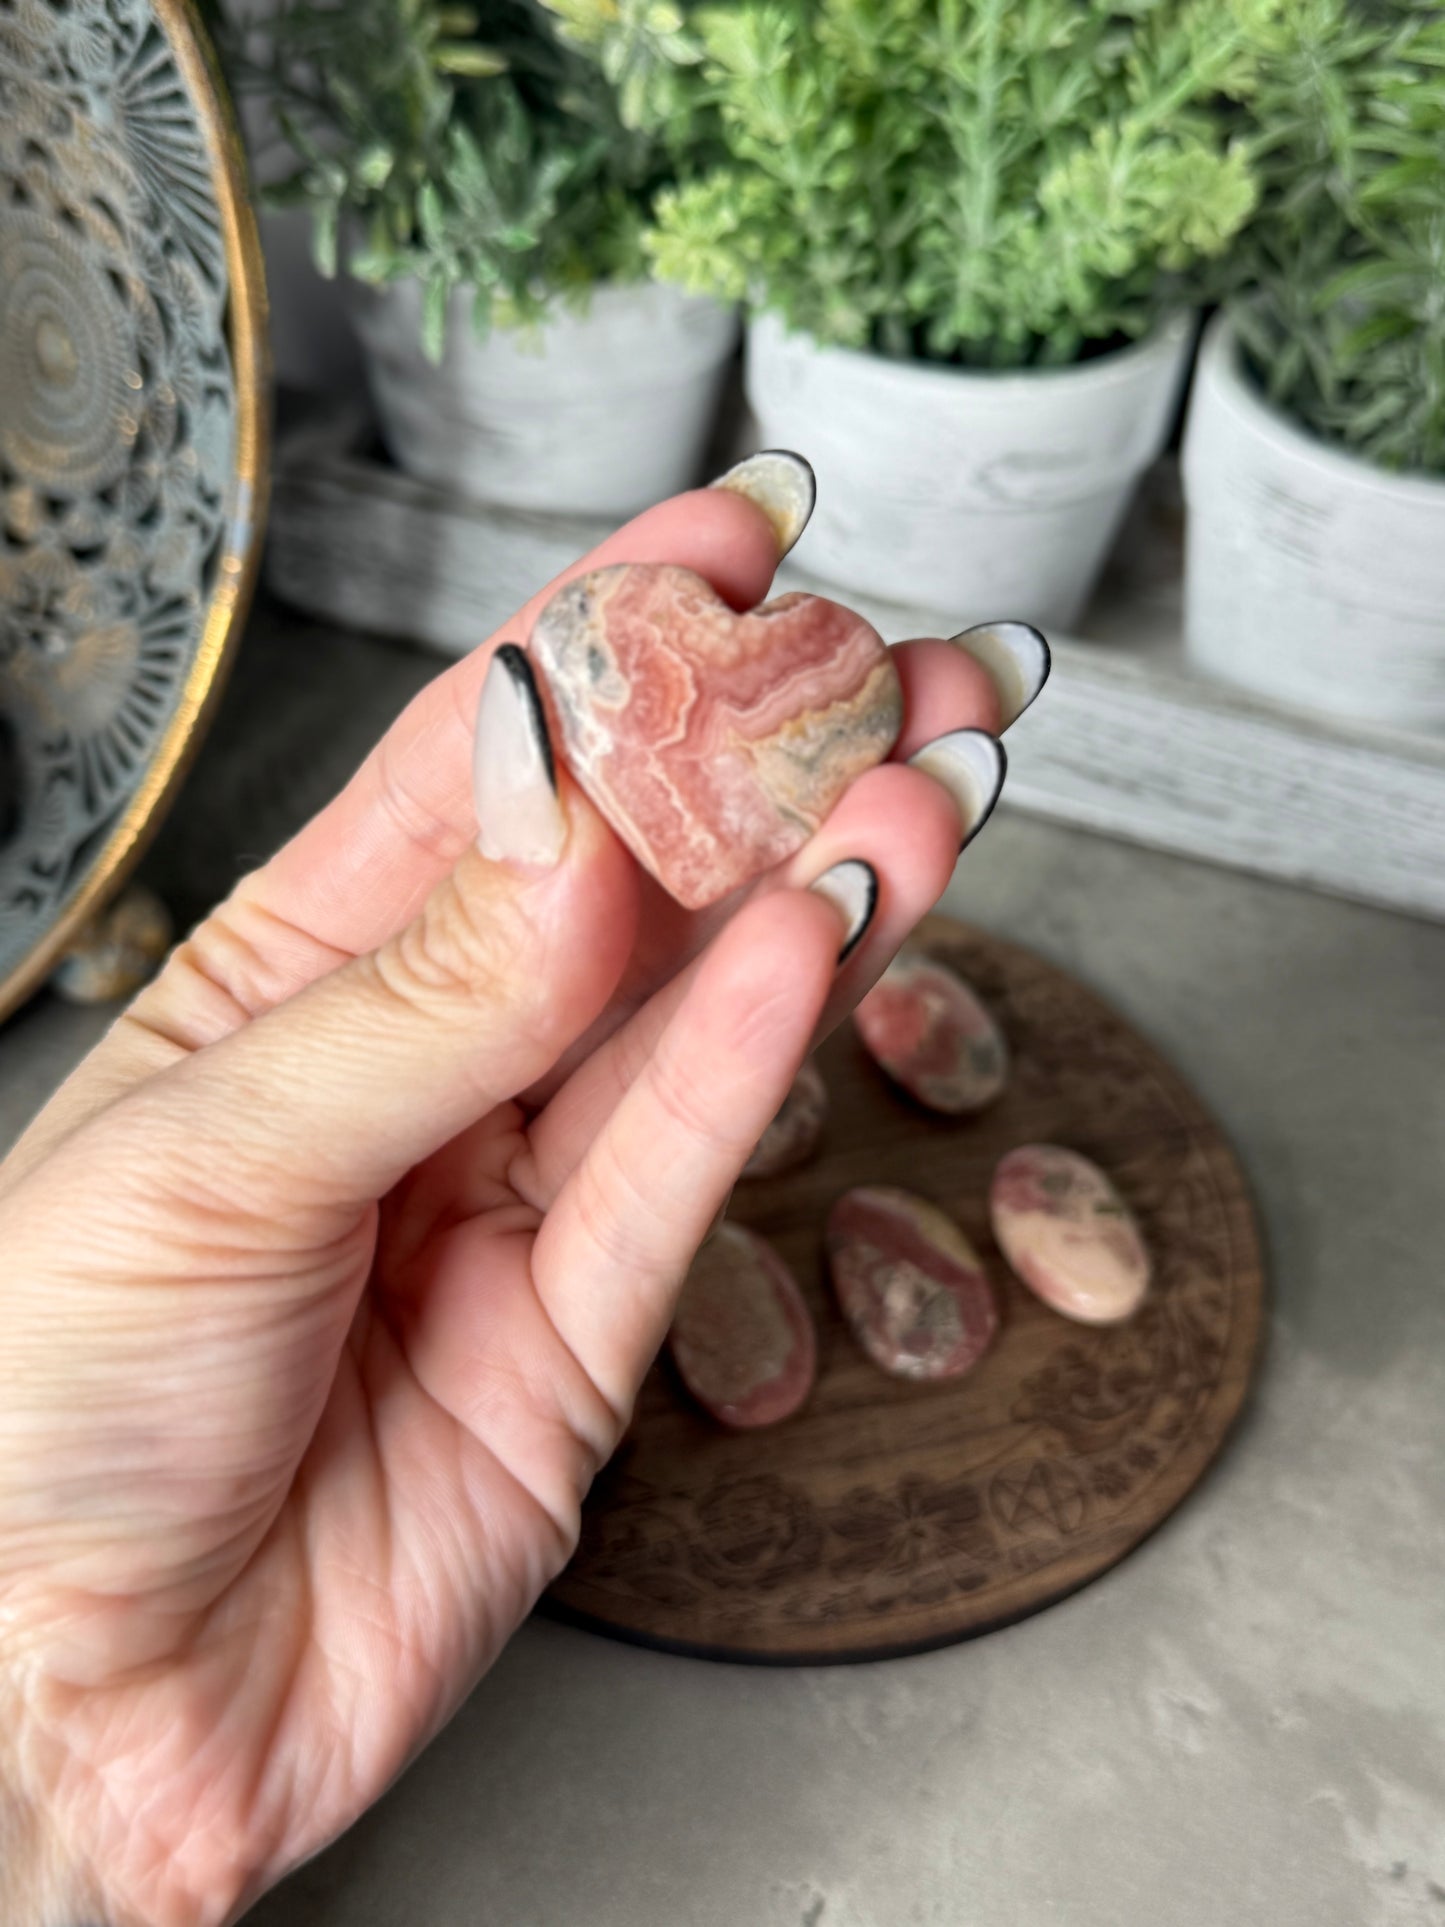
(338, 1092)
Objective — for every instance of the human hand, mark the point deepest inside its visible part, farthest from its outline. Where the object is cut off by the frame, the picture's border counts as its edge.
(312, 1336)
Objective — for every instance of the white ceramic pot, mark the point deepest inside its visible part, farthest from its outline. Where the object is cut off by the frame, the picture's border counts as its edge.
(592, 414)
(987, 495)
(1310, 576)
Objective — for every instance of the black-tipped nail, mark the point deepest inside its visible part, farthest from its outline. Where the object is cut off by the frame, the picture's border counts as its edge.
(514, 774)
(1016, 656)
(971, 766)
(782, 485)
(852, 889)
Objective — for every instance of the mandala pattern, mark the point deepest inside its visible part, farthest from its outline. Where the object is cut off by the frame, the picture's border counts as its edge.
(118, 423)
(879, 1517)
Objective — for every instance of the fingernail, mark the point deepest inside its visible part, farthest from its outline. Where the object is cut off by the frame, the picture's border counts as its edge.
(514, 778)
(782, 485)
(971, 766)
(1016, 656)
(852, 889)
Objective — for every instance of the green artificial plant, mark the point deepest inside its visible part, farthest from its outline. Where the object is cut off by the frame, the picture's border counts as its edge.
(464, 146)
(1341, 311)
(998, 183)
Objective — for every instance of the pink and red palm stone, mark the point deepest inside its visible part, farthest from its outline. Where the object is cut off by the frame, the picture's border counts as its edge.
(914, 1292)
(1068, 1234)
(910, 1284)
(924, 1027)
(742, 1337)
(715, 743)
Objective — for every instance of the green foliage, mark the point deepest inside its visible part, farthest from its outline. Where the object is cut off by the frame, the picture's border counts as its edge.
(1342, 304)
(996, 182)
(474, 147)
(646, 54)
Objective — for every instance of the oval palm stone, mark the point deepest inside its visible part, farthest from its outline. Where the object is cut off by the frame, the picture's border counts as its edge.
(930, 1033)
(910, 1284)
(742, 1337)
(1068, 1234)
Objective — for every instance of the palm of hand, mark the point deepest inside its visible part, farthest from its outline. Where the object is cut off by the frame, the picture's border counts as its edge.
(292, 1602)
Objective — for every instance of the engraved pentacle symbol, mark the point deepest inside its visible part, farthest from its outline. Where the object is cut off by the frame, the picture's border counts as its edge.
(117, 427)
(1043, 1499)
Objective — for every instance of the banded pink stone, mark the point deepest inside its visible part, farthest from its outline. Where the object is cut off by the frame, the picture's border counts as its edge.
(930, 1033)
(910, 1284)
(714, 743)
(1068, 1235)
(742, 1336)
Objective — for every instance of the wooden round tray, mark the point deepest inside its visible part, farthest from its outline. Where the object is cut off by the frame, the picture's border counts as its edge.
(888, 1517)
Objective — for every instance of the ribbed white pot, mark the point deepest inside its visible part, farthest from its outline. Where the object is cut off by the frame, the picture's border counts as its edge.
(988, 495)
(596, 413)
(1311, 576)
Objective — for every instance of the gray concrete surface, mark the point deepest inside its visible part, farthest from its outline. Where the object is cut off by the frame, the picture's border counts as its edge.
(1244, 1723)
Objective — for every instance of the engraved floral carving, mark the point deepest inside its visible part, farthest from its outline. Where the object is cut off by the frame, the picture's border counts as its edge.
(755, 1533)
(925, 1538)
(633, 1544)
(1109, 1478)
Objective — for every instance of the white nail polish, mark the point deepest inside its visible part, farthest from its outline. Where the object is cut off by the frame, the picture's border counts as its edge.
(782, 485)
(852, 889)
(514, 779)
(970, 764)
(1016, 656)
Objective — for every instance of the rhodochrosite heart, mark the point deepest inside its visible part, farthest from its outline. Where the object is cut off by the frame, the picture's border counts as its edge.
(714, 743)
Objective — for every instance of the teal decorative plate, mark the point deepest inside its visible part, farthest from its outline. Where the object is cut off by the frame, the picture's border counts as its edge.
(132, 388)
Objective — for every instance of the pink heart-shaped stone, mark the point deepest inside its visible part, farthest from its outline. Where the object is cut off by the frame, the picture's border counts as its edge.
(714, 743)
